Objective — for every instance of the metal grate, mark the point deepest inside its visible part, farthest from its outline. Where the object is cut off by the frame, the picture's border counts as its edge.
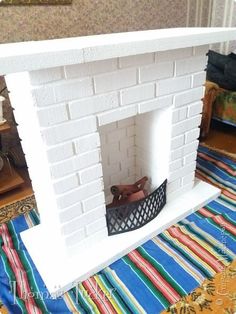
(134, 215)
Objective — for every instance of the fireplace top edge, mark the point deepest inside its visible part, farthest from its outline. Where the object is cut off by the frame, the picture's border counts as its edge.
(36, 55)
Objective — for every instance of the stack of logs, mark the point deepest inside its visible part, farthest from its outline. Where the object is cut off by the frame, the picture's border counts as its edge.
(123, 194)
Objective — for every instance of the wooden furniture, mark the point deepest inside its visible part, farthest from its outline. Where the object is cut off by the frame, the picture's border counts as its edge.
(218, 104)
(5, 127)
(9, 178)
(211, 90)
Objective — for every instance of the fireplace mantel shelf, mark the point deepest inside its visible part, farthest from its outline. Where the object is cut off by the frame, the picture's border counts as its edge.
(29, 56)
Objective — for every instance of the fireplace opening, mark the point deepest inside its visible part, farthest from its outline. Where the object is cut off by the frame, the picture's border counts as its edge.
(132, 149)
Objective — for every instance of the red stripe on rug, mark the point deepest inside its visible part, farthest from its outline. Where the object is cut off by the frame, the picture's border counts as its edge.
(225, 223)
(98, 297)
(220, 164)
(159, 282)
(195, 247)
(205, 212)
(219, 185)
(22, 284)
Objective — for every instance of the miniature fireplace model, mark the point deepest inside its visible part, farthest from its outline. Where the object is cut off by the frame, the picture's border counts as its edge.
(102, 110)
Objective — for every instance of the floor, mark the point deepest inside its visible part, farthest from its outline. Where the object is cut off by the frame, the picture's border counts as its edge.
(222, 138)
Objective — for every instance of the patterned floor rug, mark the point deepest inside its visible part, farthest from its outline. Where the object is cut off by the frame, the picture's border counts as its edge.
(215, 295)
(17, 208)
(150, 279)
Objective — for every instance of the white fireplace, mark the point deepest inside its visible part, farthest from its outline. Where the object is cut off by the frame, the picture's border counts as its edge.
(102, 110)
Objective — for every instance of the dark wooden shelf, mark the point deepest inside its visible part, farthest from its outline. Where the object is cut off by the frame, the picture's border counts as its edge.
(5, 127)
(9, 179)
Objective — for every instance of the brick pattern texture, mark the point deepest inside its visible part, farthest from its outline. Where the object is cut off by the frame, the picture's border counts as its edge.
(88, 121)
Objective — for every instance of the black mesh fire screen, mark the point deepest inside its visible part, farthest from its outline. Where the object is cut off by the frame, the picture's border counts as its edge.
(134, 215)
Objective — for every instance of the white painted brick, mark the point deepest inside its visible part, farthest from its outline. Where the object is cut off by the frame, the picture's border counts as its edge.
(173, 54)
(79, 194)
(90, 68)
(46, 75)
(89, 174)
(70, 213)
(169, 86)
(52, 115)
(120, 177)
(191, 65)
(116, 135)
(103, 139)
(173, 195)
(192, 135)
(74, 164)
(65, 184)
(131, 151)
(182, 172)
(126, 143)
(104, 129)
(137, 60)
(198, 79)
(84, 220)
(177, 142)
(154, 104)
(107, 149)
(173, 186)
(137, 94)
(175, 165)
(176, 154)
(130, 131)
(60, 152)
(117, 114)
(69, 130)
(179, 114)
(86, 143)
(76, 237)
(189, 96)
(128, 162)
(44, 96)
(190, 148)
(132, 171)
(125, 122)
(111, 168)
(115, 157)
(107, 191)
(106, 180)
(188, 178)
(73, 89)
(130, 180)
(93, 202)
(200, 50)
(190, 158)
(195, 109)
(96, 226)
(186, 125)
(115, 80)
(156, 71)
(92, 105)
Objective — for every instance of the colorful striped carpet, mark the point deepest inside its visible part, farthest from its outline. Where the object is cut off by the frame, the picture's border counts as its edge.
(150, 278)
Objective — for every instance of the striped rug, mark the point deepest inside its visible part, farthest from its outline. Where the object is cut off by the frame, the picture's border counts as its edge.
(147, 280)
